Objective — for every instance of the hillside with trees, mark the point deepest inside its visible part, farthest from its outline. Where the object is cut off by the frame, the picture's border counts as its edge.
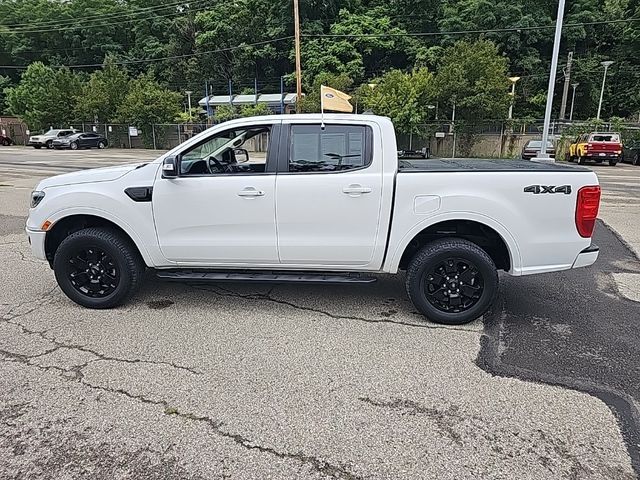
(133, 60)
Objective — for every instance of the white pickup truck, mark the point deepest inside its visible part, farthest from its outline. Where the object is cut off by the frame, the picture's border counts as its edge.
(290, 199)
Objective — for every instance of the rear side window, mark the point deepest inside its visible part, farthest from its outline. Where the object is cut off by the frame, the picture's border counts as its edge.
(332, 149)
(602, 137)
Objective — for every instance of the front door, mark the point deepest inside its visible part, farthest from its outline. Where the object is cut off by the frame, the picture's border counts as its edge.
(220, 210)
(329, 194)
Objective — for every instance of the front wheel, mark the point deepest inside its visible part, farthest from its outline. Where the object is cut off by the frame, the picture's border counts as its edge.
(98, 268)
(452, 281)
(49, 144)
(581, 160)
(636, 160)
(74, 145)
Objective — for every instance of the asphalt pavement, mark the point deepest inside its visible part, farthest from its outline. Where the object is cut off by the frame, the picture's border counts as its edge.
(260, 382)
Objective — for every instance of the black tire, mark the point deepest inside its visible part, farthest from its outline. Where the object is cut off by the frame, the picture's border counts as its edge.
(120, 257)
(49, 144)
(613, 163)
(598, 161)
(635, 160)
(73, 146)
(426, 264)
(37, 147)
(581, 160)
(6, 142)
(102, 145)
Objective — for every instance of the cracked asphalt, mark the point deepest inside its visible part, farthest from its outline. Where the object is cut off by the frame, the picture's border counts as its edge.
(256, 382)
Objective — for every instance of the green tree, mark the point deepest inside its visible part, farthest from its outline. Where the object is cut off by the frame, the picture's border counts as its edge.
(103, 94)
(5, 82)
(147, 102)
(474, 76)
(404, 97)
(44, 96)
(254, 110)
(225, 112)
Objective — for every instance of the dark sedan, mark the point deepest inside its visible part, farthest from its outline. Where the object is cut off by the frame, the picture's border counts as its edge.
(80, 140)
(631, 152)
(531, 149)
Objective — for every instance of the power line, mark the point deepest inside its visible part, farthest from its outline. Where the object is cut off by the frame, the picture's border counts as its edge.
(461, 32)
(102, 25)
(174, 57)
(55, 23)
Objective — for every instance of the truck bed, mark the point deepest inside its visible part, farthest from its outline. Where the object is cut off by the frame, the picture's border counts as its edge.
(483, 165)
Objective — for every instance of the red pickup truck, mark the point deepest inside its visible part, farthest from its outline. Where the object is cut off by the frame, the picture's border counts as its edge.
(597, 147)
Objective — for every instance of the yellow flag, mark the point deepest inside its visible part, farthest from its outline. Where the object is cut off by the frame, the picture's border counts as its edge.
(332, 99)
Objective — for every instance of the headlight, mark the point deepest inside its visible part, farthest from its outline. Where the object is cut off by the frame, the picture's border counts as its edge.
(36, 198)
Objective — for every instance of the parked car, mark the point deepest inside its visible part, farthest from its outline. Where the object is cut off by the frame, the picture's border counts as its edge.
(5, 141)
(631, 152)
(346, 209)
(80, 140)
(597, 147)
(531, 149)
(46, 139)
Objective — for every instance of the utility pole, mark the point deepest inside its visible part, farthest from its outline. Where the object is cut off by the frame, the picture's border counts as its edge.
(296, 23)
(567, 81)
(189, 92)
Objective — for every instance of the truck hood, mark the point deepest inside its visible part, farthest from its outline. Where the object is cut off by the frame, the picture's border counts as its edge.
(93, 175)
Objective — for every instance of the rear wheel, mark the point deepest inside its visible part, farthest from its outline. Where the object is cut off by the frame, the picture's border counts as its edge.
(613, 163)
(636, 160)
(98, 268)
(452, 281)
(102, 145)
(581, 160)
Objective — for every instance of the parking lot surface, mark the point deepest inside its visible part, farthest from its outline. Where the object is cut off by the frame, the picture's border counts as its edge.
(236, 381)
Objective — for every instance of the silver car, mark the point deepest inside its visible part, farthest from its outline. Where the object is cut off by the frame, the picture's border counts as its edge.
(46, 139)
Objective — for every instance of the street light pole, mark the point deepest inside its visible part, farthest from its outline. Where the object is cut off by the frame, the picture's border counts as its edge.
(296, 26)
(189, 92)
(513, 95)
(573, 99)
(543, 156)
(606, 64)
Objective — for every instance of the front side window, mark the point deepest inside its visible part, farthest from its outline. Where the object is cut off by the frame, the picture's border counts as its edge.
(240, 150)
(330, 149)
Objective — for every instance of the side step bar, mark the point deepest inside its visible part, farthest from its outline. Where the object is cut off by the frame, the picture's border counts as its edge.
(184, 275)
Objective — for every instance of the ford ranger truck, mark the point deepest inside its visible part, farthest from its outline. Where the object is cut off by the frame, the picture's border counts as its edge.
(295, 198)
(598, 147)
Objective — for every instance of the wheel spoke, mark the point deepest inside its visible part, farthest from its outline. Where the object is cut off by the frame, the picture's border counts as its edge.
(93, 272)
(78, 262)
(470, 290)
(453, 285)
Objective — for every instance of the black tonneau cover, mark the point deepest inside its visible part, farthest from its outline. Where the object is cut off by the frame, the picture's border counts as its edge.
(483, 165)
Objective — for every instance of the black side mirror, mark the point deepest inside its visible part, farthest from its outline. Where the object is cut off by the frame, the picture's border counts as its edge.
(170, 167)
(241, 155)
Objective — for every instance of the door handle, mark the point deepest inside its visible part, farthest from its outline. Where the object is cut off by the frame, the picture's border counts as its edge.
(250, 192)
(356, 189)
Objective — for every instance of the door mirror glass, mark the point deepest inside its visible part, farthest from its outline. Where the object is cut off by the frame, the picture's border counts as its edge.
(170, 167)
(241, 154)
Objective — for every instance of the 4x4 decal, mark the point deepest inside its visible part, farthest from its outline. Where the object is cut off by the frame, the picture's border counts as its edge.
(537, 189)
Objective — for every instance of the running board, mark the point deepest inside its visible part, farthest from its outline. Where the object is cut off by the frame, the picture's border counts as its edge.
(260, 277)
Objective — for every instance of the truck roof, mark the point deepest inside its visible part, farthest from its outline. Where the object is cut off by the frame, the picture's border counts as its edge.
(317, 116)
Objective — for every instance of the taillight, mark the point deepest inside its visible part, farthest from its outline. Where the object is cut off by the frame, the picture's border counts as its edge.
(587, 210)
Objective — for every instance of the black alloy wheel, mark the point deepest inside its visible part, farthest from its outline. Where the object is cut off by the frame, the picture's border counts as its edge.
(93, 272)
(452, 281)
(454, 285)
(98, 267)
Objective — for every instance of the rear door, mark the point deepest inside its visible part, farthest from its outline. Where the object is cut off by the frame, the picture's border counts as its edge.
(328, 195)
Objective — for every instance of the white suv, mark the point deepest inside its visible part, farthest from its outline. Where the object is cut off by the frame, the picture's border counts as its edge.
(46, 139)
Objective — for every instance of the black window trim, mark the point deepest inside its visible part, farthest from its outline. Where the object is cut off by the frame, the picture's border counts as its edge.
(271, 160)
(285, 139)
